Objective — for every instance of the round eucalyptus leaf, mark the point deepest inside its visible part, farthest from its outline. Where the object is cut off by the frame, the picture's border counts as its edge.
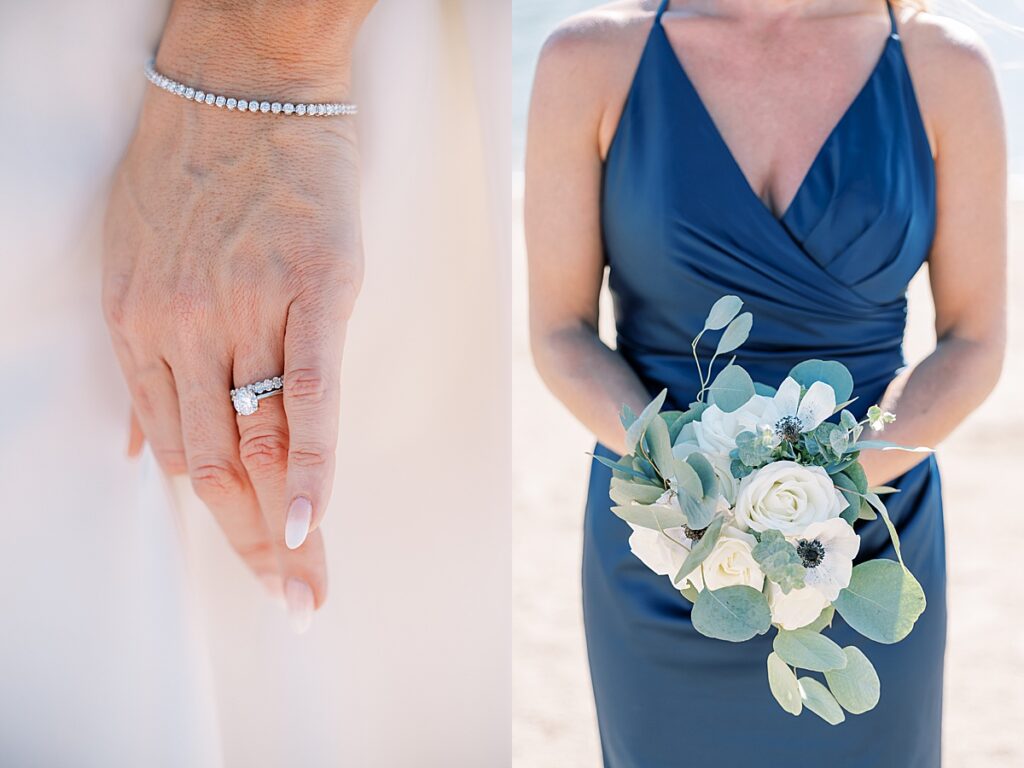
(731, 613)
(784, 685)
(657, 517)
(808, 650)
(820, 701)
(722, 313)
(737, 333)
(856, 686)
(882, 602)
(833, 373)
(732, 388)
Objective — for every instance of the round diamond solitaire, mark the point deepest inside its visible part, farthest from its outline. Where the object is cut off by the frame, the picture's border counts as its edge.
(246, 399)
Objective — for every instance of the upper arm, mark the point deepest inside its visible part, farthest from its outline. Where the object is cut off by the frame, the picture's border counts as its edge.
(578, 74)
(957, 89)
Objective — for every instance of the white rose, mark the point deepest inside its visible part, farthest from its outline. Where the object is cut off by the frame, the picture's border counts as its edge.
(787, 497)
(716, 430)
(659, 552)
(798, 608)
(730, 564)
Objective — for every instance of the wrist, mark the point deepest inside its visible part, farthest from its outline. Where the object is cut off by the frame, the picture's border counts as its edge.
(285, 51)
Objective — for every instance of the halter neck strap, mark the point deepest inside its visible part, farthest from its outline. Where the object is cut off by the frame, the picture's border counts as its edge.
(892, 19)
(661, 10)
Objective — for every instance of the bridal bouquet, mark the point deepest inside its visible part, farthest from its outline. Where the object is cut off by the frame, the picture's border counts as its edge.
(749, 501)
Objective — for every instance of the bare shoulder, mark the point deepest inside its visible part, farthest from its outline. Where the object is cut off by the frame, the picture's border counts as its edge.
(952, 69)
(588, 61)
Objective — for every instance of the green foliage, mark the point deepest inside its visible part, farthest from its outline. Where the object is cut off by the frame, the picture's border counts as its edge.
(820, 701)
(883, 601)
(657, 517)
(700, 549)
(699, 511)
(706, 473)
(833, 373)
(659, 446)
(874, 501)
(687, 478)
(783, 684)
(808, 650)
(735, 334)
(780, 562)
(751, 450)
(628, 492)
(639, 426)
(824, 620)
(722, 313)
(623, 468)
(731, 613)
(732, 388)
(856, 686)
(848, 488)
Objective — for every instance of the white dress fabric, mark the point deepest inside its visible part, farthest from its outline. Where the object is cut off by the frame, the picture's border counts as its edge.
(131, 635)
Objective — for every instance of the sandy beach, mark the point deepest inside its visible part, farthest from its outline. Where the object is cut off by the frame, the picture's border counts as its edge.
(554, 724)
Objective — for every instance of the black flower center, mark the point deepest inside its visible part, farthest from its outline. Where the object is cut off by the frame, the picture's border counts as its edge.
(811, 552)
(788, 428)
(693, 535)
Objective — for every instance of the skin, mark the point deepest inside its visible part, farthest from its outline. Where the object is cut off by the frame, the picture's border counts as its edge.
(790, 67)
(233, 253)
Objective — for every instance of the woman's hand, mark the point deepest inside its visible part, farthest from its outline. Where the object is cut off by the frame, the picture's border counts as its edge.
(233, 254)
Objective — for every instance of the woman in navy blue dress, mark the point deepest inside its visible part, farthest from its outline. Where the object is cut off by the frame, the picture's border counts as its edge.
(808, 157)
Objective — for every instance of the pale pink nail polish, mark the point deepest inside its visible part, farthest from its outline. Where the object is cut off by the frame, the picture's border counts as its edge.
(296, 526)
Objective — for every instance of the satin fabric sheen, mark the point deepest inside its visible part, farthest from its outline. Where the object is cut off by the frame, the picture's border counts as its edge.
(825, 279)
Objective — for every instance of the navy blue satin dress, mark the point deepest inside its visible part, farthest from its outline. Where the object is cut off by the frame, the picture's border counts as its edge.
(826, 279)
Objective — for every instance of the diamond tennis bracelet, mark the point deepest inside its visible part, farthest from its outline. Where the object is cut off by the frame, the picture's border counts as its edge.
(244, 105)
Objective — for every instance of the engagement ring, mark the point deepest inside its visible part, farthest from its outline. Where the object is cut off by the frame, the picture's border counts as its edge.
(246, 399)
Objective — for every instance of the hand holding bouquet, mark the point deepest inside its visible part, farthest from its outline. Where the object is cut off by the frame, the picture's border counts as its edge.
(748, 502)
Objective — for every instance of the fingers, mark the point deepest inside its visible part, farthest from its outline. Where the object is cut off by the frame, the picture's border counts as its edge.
(155, 413)
(313, 346)
(215, 469)
(263, 449)
(136, 437)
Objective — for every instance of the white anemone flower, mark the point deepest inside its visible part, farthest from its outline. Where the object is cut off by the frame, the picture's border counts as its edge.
(827, 550)
(788, 415)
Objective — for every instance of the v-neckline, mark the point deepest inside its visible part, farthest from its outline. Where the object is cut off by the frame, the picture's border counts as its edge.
(727, 150)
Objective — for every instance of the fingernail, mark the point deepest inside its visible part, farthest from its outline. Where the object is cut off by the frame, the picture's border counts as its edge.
(299, 598)
(272, 583)
(296, 527)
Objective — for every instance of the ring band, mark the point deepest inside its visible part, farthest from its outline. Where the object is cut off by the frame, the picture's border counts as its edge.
(246, 399)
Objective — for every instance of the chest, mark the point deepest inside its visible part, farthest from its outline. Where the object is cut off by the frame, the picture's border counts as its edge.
(775, 93)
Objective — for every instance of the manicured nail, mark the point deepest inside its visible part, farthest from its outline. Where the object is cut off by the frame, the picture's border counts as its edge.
(299, 598)
(296, 527)
(272, 583)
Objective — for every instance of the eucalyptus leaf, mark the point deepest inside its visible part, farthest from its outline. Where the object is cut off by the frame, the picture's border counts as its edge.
(657, 517)
(690, 593)
(732, 388)
(706, 473)
(839, 441)
(638, 427)
(866, 512)
(660, 445)
(784, 685)
(735, 334)
(817, 698)
(856, 473)
(626, 491)
(699, 512)
(856, 686)
(779, 561)
(621, 467)
(808, 650)
(700, 549)
(722, 313)
(731, 613)
(687, 479)
(848, 488)
(764, 390)
(833, 373)
(626, 416)
(689, 416)
(882, 602)
(885, 445)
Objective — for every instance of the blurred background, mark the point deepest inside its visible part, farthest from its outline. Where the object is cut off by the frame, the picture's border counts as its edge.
(553, 717)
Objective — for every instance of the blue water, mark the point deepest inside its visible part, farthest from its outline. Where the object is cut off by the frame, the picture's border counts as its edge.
(533, 20)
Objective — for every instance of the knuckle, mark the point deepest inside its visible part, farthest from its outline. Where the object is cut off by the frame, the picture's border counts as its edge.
(305, 385)
(118, 305)
(310, 456)
(215, 478)
(264, 451)
(259, 551)
(172, 460)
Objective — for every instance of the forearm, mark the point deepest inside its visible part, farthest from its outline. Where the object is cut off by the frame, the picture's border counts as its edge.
(932, 399)
(299, 51)
(590, 379)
